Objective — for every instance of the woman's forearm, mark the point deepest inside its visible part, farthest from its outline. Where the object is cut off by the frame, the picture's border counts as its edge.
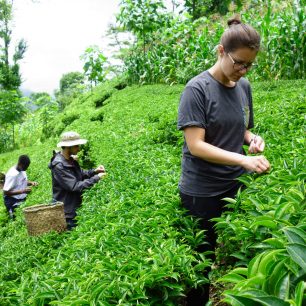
(216, 155)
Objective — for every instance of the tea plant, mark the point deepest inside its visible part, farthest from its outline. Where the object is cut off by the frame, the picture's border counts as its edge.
(263, 236)
(134, 245)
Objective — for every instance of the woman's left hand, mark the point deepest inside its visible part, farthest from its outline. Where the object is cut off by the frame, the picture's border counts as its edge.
(257, 145)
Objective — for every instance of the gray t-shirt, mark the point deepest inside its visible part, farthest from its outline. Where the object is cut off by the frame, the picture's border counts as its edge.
(225, 113)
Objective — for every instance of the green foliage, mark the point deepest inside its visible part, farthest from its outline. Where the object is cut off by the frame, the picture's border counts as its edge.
(100, 100)
(134, 245)
(176, 54)
(71, 86)
(48, 112)
(71, 82)
(98, 116)
(57, 123)
(283, 39)
(196, 8)
(36, 124)
(142, 17)
(40, 99)
(84, 158)
(68, 118)
(11, 108)
(200, 8)
(5, 140)
(95, 65)
(10, 78)
(183, 48)
(11, 112)
(263, 236)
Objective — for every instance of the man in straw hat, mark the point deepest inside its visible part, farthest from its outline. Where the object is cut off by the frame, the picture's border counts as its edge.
(68, 179)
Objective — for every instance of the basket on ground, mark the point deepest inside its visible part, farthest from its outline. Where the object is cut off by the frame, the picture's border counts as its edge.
(44, 218)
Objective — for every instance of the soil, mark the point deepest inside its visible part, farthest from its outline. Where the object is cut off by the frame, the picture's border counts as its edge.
(215, 296)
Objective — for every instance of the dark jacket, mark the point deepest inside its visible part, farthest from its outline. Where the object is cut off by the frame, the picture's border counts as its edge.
(69, 181)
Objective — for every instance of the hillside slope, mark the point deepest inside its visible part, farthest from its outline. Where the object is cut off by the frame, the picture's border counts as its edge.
(133, 244)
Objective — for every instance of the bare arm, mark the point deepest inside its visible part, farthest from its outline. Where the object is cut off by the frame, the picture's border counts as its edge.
(16, 192)
(195, 138)
(31, 183)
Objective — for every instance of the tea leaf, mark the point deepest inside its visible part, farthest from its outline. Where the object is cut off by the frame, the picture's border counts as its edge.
(297, 252)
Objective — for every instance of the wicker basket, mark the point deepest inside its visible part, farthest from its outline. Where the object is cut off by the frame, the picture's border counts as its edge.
(44, 218)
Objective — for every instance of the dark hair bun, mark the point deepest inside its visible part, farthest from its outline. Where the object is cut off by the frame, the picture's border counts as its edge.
(233, 21)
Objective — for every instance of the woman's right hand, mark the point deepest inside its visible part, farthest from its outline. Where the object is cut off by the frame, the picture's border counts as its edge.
(258, 164)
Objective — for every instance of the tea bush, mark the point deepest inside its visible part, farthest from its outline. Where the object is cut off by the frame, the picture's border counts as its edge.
(264, 236)
(134, 245)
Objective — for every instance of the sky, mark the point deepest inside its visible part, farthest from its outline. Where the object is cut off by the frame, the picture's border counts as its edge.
(57, 33)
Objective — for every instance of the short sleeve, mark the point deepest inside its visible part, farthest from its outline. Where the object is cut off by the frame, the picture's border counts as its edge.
(192, 109)
(10, 183)
(251, 120)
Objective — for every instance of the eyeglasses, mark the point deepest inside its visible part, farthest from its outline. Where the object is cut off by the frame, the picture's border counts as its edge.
(240, 66)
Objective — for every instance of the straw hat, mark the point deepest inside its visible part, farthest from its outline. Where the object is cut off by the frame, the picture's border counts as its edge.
(70, 139)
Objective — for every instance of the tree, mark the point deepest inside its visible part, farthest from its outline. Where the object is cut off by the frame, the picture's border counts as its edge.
(72, 81)
(11, 110)
(200, 8)
(120, 42)
(47, 113)
(196, 8)
(10, 78)
(142, 17)
(71, 84)
(40, 99)
(95, 66)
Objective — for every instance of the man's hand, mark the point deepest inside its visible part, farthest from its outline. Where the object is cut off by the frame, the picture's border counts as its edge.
(75, 157)
(102, 175)
(33, 183)
(100, 169)
(27, 190)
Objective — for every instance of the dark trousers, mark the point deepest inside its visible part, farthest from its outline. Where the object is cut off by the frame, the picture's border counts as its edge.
(205, 208)
(11, 204)
(71, 223)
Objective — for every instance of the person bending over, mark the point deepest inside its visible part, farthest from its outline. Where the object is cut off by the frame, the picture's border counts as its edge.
(68, 179)
(16, 186)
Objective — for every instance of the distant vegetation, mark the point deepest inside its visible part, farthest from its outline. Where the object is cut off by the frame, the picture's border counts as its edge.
(179, 48)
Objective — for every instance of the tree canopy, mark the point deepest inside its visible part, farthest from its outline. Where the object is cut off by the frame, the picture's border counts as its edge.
(10, 78)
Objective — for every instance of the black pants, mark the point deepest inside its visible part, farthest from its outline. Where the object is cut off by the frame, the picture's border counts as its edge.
(205, 208)
(11, 204)
(71, 223)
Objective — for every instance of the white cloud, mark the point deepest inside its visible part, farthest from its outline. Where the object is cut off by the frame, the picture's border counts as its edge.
(57, 33)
